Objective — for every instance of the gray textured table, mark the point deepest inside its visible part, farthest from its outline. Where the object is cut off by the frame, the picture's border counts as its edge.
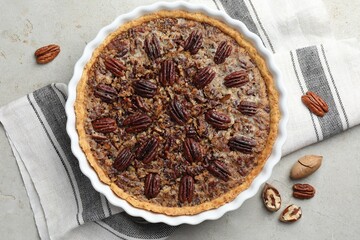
(27, 25)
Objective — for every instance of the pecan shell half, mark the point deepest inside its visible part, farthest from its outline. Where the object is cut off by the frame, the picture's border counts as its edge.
(137, 122)
(247, 108)
(222, 52)
(193, 42)
(186, 189)
(178, 112)
(104, 125)
(123, 159)
(315, 103)
(303, 191)
(203, 77)
(242, 144)
(192, 150)
(271, 198)
(167, 73)
(152, 47)
(106, 93)
(152, 185)
(145, 88)
(219, 170)
(47, 53)
(148, 150)
(115, 66)
(236, 79)
(218, 119)
(290, 214)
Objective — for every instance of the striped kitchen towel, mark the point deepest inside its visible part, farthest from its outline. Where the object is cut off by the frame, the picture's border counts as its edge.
(64, 203)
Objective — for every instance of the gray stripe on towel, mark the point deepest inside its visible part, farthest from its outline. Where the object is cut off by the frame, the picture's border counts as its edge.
(316, 81)
(54, 112)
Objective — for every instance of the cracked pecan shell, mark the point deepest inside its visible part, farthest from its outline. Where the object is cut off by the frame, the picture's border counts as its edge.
(123, 159)
(242, 144)
(106, 93)
(178, 112)
(145, 88)
(186, 189)
(218, 119)
(167, 73)
(148, 150)
(222, 52)
(152, 47)
(152, 185)
(236, 79)
(137, 122)
(203, 77)
(193, 42)
(104, 125)
(115, 66)
(192, 150)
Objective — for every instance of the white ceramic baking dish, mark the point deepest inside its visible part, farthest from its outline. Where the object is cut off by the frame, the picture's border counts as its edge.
(105, 189)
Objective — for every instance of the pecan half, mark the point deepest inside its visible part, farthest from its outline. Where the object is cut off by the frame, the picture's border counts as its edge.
(242, 144)
(137, 122)
(152, 185)
(192, 150)
(115, 66)
(247, 108)
(167, 73)
(178, 112)
(186, 189)
(291, 214)
(139, 103)
(236, 79)
(303, 191)
(193, 42)
(104, 125)
(98, 138)
(152, 47)
(191, 133)
(148, 150)
(315, 103)
(106, 93)
(218, 119)
(123, 159)
(222, 52)
(219, 170)
(271, 198)
(145, 88)
(203, 77)
(47, 53)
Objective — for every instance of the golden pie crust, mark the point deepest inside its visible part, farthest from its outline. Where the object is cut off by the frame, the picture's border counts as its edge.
(261, 158)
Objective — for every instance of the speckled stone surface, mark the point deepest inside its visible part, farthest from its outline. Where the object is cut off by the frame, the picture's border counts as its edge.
(26, 25)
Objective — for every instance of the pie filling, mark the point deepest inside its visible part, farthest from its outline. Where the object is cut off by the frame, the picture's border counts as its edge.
(176, 112)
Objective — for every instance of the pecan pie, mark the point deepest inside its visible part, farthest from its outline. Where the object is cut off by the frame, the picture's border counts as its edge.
(177, 112)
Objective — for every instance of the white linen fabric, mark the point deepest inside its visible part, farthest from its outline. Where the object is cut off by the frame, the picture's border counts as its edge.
(64, 203)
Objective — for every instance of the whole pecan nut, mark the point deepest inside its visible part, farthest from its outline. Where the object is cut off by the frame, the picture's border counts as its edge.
(145, 88)
(305, 166)
(167, 73)
(271, 198)
(148, 150)
(247, 108)
(315, 103)
(114, 66)
(192, 150)
(178, 112)
(137, 122)
(106, 93)
(222, 52)
(303, 191)
(193, 42)
(203, 77)
(219, 170)
(236, 79)
(152, 47)
(291, 214)
(47, 53)
(242, 144)
(104, 125)
(152, 185)
(218, 119)
(186, 189)
(123, 159)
